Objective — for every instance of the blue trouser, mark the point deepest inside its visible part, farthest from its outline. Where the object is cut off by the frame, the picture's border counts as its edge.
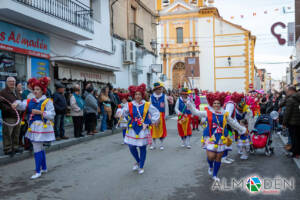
(39, 156)
(103, 126)
(59, 125)
(139, 159)
(225, 153)
(124, 132)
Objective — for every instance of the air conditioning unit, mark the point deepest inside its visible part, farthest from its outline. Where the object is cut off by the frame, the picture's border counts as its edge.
(129, 52)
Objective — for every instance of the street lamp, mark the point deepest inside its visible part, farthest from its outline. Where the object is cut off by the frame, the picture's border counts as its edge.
(229, 61)
(291, 69)
(153, 44)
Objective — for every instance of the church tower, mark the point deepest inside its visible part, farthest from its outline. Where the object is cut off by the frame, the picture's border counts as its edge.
(200, 49)
(161, 4)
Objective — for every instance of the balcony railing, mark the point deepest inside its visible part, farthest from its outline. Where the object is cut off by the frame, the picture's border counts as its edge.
(137, 33)
(66, 10)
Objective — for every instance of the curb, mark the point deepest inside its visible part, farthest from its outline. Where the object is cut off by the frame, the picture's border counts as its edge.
(57, 145)
(284, 140)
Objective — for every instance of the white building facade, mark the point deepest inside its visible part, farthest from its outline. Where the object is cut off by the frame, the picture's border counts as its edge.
(75, 43)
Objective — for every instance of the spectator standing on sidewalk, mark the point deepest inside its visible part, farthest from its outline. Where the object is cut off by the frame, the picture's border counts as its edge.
(49, 92)
(60, 105)
(10, 133)
(90, 109)
(77, 106)
(105, 107)
(291, 119)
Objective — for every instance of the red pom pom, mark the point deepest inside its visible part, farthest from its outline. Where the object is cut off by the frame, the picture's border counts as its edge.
(141, 88)
(220, 96)
(31, 82)
(236, 97)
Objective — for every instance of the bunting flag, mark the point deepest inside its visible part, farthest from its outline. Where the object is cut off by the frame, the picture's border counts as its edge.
(285, 10)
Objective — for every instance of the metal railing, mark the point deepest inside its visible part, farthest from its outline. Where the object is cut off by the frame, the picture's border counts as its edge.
(67, 10)
(136, 33)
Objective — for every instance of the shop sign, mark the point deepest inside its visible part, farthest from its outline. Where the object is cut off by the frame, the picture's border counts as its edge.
(39, 67)
(8, 74)
(21, 40)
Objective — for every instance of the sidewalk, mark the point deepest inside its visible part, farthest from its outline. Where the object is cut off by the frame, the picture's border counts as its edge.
(284, 140)
(57, 145)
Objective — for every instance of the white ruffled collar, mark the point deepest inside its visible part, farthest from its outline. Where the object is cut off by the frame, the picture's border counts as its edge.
(157, 95)
(138, 104)
(220, 112)
(40, 99)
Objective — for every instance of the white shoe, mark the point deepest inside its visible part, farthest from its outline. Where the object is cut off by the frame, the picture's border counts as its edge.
(135, 167)
(183, 143)
(141, 171)
(189, 146)
(216, 179)
(240, 152)
(229, 159)
(36, 175)
(161, 147)
(44, 171)
(224, 160)
(152, 147)
(210, 171)
(244, 157)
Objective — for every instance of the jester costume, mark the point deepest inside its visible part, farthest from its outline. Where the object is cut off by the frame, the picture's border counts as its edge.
(215, 136)
(160, 102)
(40, 128)
(244, 113)
(139, 121)
(184, 121)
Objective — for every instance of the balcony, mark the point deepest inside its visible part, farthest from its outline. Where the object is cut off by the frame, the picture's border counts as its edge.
(137, 33)
(63, 17)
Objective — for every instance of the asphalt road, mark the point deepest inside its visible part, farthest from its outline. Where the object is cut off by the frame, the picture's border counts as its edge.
(101, 170)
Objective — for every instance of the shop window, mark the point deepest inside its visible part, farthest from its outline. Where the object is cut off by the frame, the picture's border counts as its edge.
(12, 64)
(179, 32)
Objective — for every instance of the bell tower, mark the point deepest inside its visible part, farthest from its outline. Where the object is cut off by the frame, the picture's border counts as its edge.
(161, 4)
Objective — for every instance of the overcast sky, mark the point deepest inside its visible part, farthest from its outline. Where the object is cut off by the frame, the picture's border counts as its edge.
(267, 49)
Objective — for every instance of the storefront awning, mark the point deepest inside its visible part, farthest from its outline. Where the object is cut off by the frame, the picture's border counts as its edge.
(85, 74)
(81, 62)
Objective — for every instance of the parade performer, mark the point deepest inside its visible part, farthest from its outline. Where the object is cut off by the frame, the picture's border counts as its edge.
(138, 113)
(215, 135)
(230, 107)
(244, 113)
(159, 100)
(197, 102)
(184, 118)
(40, 114)
(27, 94)
(122, 123)
(244, 141)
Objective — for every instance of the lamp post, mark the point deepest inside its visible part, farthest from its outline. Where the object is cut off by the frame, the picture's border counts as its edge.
(229, 61)
(291, 69)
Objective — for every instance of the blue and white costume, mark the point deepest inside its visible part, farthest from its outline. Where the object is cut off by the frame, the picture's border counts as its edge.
(40, 128)
(244, 140)
(216, 129)
(138, 134)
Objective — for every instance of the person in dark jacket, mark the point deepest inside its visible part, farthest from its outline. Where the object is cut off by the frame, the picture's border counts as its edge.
(10, 133)
(291, 119)
(60, 105)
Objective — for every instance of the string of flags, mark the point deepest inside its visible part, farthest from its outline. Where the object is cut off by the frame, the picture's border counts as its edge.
(285, 10)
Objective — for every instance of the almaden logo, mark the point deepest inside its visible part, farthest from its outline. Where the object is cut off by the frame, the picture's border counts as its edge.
(255, 185)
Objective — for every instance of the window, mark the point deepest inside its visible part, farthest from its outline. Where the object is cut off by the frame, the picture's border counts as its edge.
(12, 64)
(179, 32)
(95, 6)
